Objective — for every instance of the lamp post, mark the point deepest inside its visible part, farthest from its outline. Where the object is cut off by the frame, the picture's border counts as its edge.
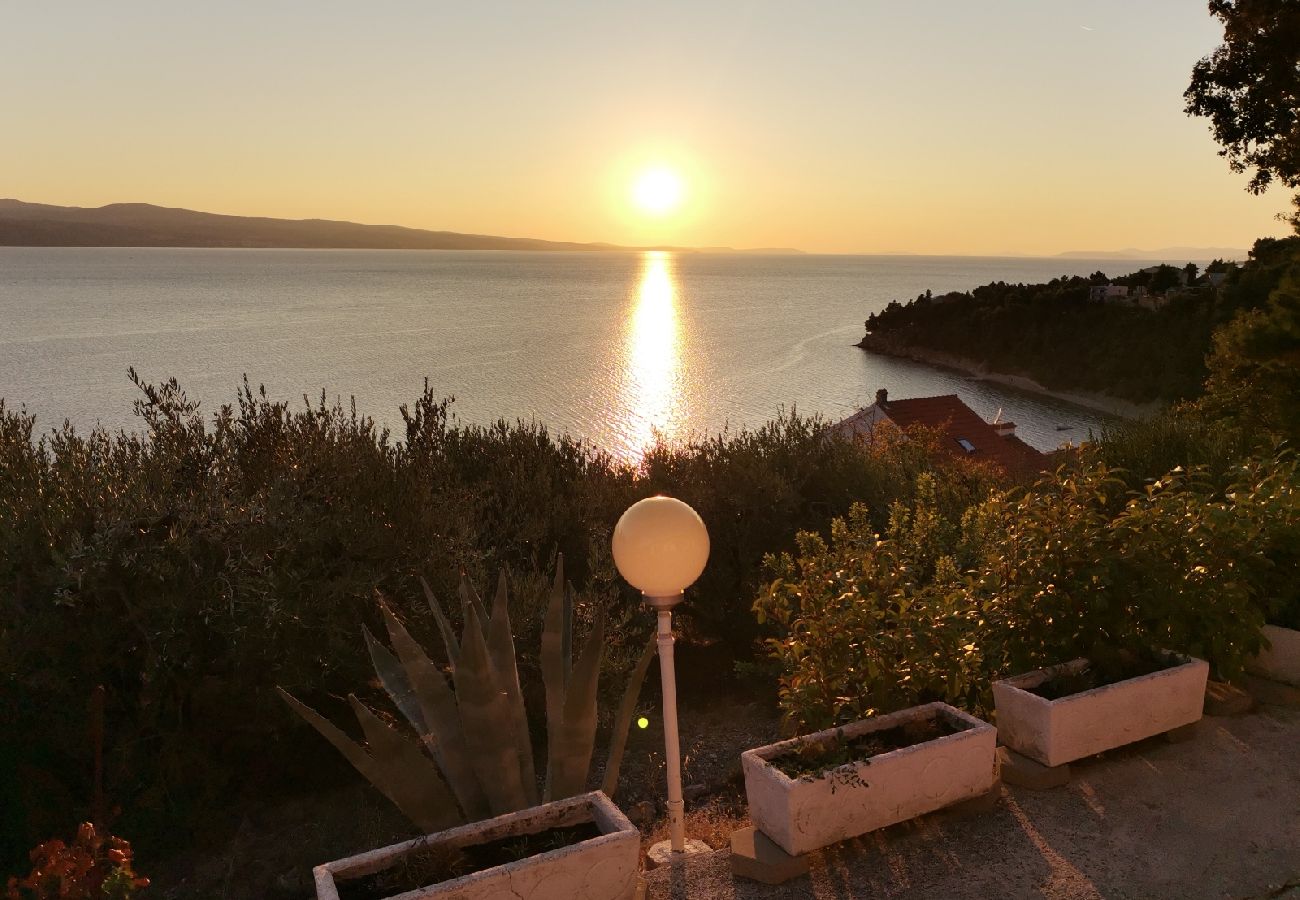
(660, 547)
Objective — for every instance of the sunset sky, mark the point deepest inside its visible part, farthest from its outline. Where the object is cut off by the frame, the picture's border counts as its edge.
(1000, 127)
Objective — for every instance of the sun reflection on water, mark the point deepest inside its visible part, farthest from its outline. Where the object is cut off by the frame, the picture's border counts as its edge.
(650, 392)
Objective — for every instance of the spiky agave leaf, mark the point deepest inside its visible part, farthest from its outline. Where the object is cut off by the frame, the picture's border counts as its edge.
(444, 626)
(445, 735)
(618, 737)
(554, 671)
(569, 767)
(396, 767)
(408, 777)
(488, 724)
(469, 599)
(393, 677)
(501, 651)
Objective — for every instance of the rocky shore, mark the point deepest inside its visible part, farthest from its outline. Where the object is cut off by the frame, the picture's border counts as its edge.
(1116, 406)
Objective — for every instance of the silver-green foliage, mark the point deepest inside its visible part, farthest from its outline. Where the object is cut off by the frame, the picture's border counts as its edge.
(479, 759)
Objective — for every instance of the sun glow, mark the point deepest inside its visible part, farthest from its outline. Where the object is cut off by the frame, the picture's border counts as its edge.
(657, 191)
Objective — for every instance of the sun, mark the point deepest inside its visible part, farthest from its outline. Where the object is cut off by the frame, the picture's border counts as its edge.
(657, 191)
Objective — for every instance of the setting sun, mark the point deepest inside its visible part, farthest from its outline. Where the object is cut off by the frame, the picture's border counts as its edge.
(657, 191)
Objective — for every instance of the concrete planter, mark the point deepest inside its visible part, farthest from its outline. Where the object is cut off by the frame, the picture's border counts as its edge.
(801, 815)
(1055, 732)
(1281, 661)
(601, 868)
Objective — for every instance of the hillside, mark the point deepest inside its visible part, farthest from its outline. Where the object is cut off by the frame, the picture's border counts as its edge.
(144, 225)
(1054, 335)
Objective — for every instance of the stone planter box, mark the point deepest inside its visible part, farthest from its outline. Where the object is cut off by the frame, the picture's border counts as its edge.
(1281, 661)
(601, 868)
(1055, 732)
(801, 815)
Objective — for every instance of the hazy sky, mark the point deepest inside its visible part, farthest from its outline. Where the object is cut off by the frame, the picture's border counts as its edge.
(952, 127)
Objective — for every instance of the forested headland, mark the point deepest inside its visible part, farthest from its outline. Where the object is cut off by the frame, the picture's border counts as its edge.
(1056, 335)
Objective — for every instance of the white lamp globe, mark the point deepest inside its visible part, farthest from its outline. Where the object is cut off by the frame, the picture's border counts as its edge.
(660, 546)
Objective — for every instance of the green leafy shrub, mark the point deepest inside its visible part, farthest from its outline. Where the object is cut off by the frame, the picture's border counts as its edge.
(192, 566)
(1138, 451)
(1175, 567)
(872, 623)
(756, 489)
(1077, 565)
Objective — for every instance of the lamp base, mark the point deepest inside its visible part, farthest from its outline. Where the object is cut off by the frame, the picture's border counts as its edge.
(661, 854)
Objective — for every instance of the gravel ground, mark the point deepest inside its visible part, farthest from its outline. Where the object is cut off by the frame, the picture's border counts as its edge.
(1215, 817)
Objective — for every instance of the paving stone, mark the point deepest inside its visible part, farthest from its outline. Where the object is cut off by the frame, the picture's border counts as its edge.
(1273, 693)
(755, 856)
(1226, 700)
(1022, 771)
(978, 806)
(1182, 733)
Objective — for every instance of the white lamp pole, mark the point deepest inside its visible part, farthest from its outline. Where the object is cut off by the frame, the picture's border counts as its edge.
(660, 547)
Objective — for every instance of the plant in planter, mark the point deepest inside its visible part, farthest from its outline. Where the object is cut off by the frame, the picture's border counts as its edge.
(1110, 583)
(579, 847)
(822, 788)
(1062, 713)
(870, 622)
(1270, 491)
(479, 759)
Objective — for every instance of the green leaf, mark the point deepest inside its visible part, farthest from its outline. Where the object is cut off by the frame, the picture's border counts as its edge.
(405, 774)
(488, 724)
(444, 626)
(553, 670)
(577, 738)
(393, 677)
(445, 735)
(618, 738)
(501, 650)
(397, 768)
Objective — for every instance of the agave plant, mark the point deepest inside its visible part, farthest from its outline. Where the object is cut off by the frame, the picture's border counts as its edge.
(474, 757)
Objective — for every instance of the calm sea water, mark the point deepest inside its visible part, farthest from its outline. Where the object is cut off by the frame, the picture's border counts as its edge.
(606, 346)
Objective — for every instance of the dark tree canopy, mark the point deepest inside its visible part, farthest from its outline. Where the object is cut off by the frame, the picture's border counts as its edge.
(1249, 89)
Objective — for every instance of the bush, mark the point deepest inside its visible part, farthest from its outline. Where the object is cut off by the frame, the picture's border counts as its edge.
(1174, 568)
(1076, 565)
(192, 567)
(755, 490)
(1138, 451)
(871, 623)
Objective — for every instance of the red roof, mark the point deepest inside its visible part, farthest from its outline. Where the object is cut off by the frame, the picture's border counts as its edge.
(961, 423)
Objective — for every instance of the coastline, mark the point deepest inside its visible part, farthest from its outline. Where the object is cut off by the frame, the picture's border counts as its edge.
(1115, 406)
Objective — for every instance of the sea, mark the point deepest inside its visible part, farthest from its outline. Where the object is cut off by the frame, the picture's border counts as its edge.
(611, 347)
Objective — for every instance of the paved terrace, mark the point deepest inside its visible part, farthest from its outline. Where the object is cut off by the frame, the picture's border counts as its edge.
(1214, 817)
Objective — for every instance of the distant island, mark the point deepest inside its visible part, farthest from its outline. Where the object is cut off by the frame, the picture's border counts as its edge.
(145, 225)
(1178, 253)
(1125, 344)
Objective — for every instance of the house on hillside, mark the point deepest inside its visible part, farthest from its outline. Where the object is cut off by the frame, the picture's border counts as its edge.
(1108, 293)
(967, 434)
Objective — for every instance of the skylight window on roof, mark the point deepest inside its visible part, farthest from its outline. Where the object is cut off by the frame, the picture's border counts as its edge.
(966, 445)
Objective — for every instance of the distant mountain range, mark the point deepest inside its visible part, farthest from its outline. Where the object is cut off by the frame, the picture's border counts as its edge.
(1162, 253)
(144, 225)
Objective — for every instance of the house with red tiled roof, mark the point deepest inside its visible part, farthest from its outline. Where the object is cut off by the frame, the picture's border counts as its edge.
(968, 435)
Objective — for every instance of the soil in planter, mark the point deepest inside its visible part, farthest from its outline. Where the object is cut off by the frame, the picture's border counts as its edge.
(1102, 669)
(813, 759)
(432, 865)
